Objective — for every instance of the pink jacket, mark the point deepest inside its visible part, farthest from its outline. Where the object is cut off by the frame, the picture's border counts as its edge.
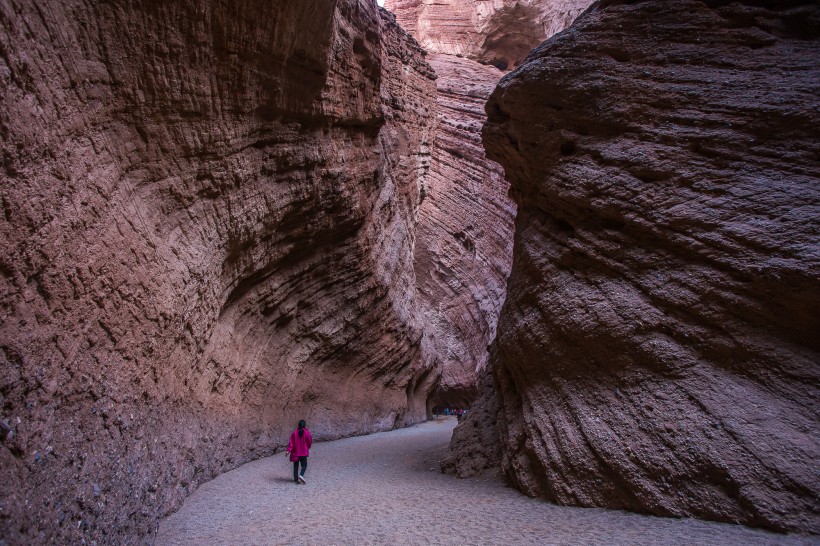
(299, 446)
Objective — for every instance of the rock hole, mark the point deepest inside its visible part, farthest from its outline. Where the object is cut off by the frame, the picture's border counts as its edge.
(372, 37)
(359, 48)
(564, 226)
(283, 321)
(37, 280)
(465, 241)
(208, 193)
(619, 55)
(500, 64)
(568, 148)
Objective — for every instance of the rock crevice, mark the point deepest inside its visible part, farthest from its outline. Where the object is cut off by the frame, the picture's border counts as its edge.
(464, 244)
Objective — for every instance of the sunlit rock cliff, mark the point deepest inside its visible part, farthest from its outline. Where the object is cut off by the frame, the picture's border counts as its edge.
(497, 32)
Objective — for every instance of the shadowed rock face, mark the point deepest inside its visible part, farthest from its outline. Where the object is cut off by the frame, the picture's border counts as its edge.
(209, 217)
(464, 237)
(497, 32)
(658, 349)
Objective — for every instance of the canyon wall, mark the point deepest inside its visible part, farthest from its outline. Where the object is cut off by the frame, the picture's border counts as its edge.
(207, 234)
(464, 242)
(497, 32)
(464, 236)
(658, 349)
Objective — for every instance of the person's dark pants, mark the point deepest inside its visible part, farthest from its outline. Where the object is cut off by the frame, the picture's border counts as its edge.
(303, 462)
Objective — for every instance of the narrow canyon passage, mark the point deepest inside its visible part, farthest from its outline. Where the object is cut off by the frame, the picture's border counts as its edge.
(595, 224)
(386, 488)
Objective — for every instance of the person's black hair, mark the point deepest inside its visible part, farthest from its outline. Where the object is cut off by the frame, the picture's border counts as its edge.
(302, 426)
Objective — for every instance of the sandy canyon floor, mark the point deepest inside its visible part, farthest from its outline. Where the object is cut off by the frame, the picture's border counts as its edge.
(386, 488)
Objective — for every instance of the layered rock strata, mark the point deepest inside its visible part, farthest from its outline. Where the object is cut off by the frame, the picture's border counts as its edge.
(464, 236)
(464, 243)
(207, 235)
(658, 349)
(497, 32)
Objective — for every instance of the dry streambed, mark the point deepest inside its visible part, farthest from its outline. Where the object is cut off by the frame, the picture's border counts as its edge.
(386, 488)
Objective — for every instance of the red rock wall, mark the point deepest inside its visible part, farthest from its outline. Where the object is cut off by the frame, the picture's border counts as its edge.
(658, 348)
(464, 237)
(207, 235)
(498, 32)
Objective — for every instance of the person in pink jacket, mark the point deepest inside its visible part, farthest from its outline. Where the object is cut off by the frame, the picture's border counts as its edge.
(299, 449)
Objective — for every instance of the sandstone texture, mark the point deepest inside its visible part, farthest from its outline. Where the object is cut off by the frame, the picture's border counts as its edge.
(497, 32)
(464, 244)
(658, 348)
(464, 237)
(475, 446)
(207, 234)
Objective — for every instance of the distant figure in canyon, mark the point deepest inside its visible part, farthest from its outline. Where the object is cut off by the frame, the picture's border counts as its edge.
(299, 450)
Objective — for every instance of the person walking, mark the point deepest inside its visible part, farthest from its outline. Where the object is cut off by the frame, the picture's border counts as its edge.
(299, 449)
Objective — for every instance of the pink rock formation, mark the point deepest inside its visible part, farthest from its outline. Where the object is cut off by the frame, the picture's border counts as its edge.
(498, 32)
(658, 347)
(464, 237)
(464, 242)
(207, 235)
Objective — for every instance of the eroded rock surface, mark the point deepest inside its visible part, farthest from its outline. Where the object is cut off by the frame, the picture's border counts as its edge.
(497, 32)
(658, 347)
(464, 237)
(464, 243)
(207, 235)
(475, 446)
(465, 232)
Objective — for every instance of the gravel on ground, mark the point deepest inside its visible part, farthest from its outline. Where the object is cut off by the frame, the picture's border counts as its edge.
(386, 488)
